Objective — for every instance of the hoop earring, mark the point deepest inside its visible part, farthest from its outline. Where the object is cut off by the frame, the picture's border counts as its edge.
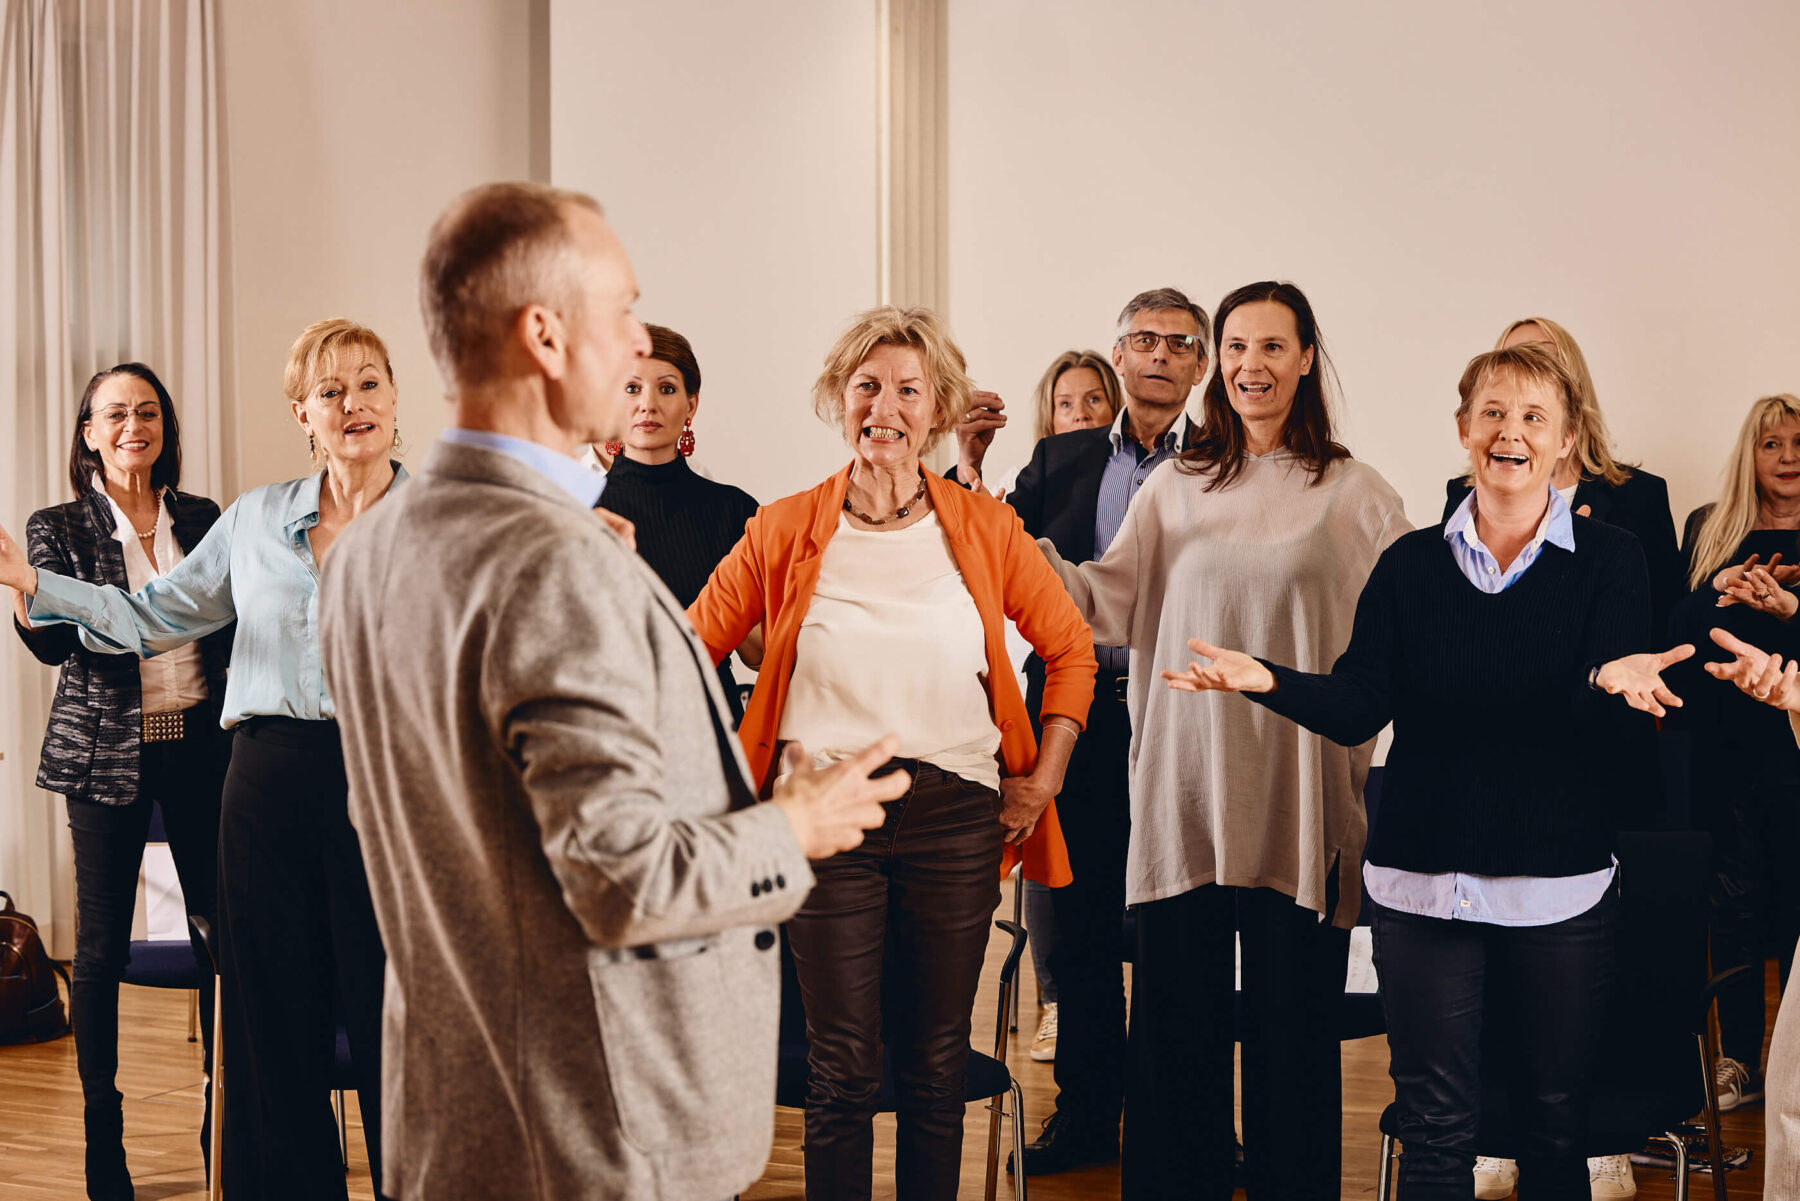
(684, 445)
(614, 449)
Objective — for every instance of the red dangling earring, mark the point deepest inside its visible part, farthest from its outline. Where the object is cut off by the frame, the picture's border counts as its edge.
(684, 445)
(614, 449)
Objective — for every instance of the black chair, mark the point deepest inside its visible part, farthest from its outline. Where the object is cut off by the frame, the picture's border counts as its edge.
(1658, 1051)
(988, 1077)
(215, 1089)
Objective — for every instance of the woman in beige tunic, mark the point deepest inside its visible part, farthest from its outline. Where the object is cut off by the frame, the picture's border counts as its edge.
(1241, 822)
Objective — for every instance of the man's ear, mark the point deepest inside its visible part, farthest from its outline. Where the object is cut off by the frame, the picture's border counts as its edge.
(542, 336)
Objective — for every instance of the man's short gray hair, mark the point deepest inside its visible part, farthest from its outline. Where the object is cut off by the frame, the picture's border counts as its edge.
(1157, 300)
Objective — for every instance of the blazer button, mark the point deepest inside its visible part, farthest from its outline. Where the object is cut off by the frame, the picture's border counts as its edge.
(765, 939)
(768, 885)
(780, 881)
(755, 889)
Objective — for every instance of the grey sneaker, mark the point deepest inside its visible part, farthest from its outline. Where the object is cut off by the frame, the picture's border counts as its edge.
(1737, 1084)
(1495, 1178)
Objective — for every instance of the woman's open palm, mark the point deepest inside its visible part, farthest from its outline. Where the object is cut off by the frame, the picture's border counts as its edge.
(1229, 671)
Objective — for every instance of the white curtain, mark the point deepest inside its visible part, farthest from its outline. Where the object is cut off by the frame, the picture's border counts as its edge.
(111, 247)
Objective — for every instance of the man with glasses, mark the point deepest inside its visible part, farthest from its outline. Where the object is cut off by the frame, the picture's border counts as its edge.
(1075, 492)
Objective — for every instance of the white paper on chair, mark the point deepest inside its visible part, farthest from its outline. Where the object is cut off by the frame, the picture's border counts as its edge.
(165, 912)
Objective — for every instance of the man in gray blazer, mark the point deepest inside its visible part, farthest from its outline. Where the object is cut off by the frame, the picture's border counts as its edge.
(574, 881)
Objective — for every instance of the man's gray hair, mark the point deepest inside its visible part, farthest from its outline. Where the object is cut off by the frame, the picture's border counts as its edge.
(1155, 301)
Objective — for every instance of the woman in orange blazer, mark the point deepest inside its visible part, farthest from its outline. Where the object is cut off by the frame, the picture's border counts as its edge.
(884, 593)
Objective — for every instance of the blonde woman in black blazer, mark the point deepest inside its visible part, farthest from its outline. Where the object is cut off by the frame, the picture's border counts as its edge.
(110, 759)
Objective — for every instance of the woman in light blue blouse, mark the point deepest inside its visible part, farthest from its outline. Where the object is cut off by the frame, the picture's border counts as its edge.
(298, 940)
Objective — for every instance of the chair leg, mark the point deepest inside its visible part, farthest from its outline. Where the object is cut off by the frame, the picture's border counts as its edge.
(217, 1140)
(1018, 1126)
(1715, 1150)
(1384, 1176)
(194, 1016)
(1019, 917)
(1681, 1162)
(337, 1103)
(993, 1149)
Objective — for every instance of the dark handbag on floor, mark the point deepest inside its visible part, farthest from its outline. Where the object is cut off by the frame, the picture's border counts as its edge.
(31, 1008)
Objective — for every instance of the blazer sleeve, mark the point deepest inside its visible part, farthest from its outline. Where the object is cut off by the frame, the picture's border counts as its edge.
(1654, 525)
(1039, 605)
(576, 694)
(1027, 495)
(50, 644)
(1105, 590)
(734, 600)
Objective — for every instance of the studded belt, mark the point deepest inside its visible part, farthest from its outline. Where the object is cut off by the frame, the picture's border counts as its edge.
(168, 726)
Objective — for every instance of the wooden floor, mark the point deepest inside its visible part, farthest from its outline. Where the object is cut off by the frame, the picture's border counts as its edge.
(41, 1138)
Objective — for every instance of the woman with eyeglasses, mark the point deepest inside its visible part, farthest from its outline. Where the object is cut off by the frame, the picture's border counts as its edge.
(1241, 825)
(126, 733)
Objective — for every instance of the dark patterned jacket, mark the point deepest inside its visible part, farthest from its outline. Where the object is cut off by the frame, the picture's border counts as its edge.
(96, 721)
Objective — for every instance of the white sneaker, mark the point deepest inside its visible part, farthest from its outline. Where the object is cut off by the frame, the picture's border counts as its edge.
(1610, 1178)
(1737, 1085)
(1043, 1047)
(1495, 1179)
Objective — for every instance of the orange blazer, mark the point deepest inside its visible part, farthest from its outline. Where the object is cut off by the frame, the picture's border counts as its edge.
(769, 577)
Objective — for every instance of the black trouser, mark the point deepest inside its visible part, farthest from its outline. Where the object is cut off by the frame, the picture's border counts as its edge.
(1179, 1137)
(184, 777)
(1087, 962)
(1534, 999)
(1751, 801)
(300, 952)
(890, 944)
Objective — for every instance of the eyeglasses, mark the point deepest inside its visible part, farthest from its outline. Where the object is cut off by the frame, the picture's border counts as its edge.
(144, 413)
(1179, 344)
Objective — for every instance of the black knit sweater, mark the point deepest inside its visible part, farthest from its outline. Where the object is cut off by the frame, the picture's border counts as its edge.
(1498, 765)
(686, 523)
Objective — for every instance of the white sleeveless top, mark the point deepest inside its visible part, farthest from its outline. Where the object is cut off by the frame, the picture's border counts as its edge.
(892, 643)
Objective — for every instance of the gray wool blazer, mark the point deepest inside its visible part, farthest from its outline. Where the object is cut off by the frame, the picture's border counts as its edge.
(574, 881)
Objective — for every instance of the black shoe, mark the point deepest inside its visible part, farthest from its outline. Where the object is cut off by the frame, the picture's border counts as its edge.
(1067, 1144)
(107, 1177)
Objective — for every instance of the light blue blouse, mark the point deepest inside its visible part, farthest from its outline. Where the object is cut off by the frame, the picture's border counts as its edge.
(255, 567)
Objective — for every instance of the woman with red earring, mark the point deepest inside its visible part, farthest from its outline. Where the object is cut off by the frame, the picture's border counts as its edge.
(686, 523)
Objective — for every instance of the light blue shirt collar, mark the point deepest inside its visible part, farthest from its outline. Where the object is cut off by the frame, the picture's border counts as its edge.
(1171, 439)
(1557, 526)
(566, 472)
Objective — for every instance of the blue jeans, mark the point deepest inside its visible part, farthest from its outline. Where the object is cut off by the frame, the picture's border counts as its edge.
(1464, 1000)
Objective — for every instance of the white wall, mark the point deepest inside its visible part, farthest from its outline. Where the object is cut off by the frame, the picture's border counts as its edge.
(349, 127)
(1425, 171)
(733, 148)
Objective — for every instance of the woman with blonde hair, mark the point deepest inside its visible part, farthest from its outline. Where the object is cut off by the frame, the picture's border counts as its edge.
(1739, 550)
(884, 592)
(1592, 481)
(297, 936)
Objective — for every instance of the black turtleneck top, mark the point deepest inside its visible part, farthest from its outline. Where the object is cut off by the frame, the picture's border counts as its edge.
(686, 524)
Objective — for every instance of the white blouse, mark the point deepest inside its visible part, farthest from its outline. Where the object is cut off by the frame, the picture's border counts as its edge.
(892, 643)
(175, 679)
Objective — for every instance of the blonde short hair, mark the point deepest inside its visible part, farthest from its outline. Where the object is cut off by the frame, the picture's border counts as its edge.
(946, 371)
(318, 348)
(1043, 401)
(495, 250)
(1593, 444)
(1529, 363)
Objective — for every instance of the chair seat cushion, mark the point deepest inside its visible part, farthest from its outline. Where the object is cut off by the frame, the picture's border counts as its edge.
(163, 964)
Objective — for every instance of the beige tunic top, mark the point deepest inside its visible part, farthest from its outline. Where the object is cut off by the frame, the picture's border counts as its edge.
(1222, 790)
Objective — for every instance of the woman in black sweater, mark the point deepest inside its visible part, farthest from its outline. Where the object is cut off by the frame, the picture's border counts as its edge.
(1490, 643)
(686, 523)
(125, 733)
(1738, 552)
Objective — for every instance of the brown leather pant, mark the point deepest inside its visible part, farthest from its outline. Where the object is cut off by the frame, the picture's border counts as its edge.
(889, 947)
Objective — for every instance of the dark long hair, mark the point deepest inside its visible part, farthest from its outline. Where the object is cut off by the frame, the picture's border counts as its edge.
(83, 463)
(1219, 446)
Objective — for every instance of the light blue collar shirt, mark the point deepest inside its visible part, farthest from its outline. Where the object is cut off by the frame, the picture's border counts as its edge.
(1126, 470)
(566, 472)
(254, 567)
(1478, 563)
